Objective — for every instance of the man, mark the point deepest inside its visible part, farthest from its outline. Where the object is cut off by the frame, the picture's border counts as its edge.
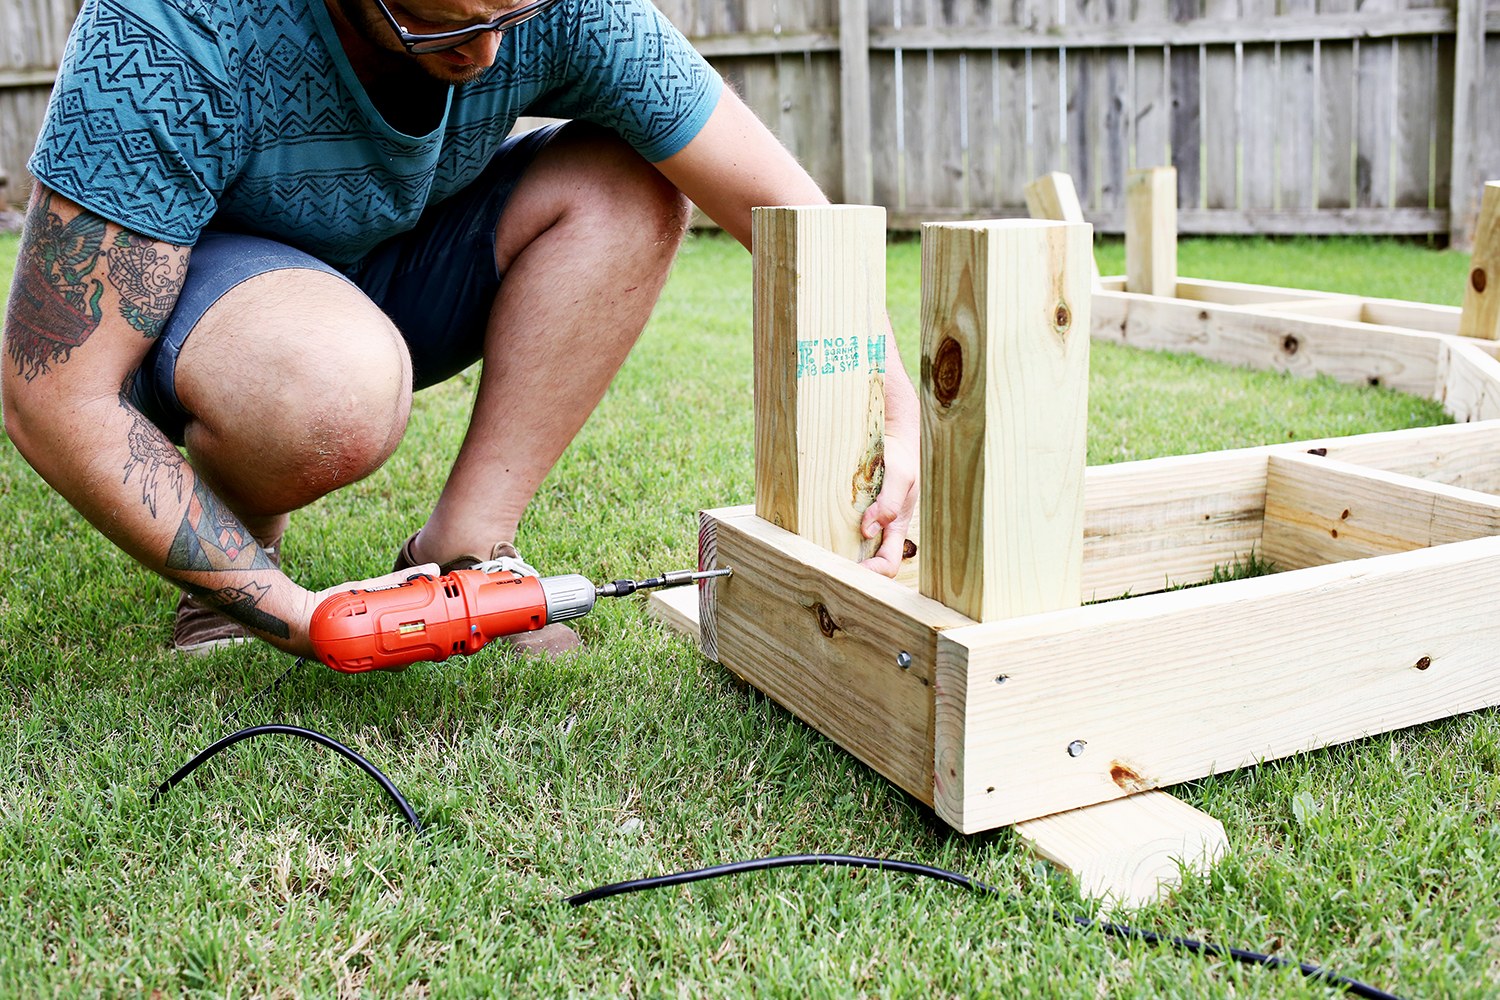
(259, 224)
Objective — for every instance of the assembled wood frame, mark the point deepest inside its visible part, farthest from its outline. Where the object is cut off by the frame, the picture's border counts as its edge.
(985, 690)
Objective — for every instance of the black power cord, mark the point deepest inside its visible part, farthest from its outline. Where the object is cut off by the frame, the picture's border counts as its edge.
(1352, 986)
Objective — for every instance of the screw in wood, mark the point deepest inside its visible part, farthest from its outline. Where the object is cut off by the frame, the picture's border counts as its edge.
(903, 660)
(1075, 749)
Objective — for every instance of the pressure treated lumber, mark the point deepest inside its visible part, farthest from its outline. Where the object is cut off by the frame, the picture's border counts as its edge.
(1468, 380)
(1053, 197)
(824, 638)
(1005, 348)
(1255, 337)
(819, 354)
(1126, 852)
(1321, 511)
(1481, 311)
(1151, 231)
(1168, 687)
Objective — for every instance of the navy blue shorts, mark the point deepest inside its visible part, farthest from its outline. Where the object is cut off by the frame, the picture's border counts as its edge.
(437, 283)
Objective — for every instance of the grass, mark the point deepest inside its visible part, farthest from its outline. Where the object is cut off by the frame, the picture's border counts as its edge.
(279, 870)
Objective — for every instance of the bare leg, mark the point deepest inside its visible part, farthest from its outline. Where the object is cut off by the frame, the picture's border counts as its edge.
(297, 385)
(586, 244)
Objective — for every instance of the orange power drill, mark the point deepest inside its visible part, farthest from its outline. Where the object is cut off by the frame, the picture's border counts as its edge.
(429, 618)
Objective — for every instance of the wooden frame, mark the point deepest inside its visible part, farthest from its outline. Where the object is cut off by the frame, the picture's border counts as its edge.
(1016, 703)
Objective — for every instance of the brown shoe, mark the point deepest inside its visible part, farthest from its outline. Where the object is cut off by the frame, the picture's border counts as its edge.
(198, 629)
(547, 641)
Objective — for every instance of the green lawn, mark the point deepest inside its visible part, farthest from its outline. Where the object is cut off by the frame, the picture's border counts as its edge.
(280, 870)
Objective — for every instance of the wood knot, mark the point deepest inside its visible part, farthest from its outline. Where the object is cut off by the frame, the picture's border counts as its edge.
(1127, 777)
(826, 623)
(1424, 663)
(1290, 344)
(908, 549)
(947, 371)
(1062, 319)
(1478, 279)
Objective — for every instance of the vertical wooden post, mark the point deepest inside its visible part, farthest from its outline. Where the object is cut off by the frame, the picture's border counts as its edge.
(1005, 353)
(1053, 196)
(819, 370)
(1151, 231)
(854, 101)
(1469, 101)
(1481, 315)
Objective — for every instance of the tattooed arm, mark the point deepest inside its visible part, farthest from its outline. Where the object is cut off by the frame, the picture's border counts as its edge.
(87, 301)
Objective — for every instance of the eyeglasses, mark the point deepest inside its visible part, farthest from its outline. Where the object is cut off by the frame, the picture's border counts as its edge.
(438, 41)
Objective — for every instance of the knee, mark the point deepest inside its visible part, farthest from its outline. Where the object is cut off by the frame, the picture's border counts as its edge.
(622, 189)
(298, 404)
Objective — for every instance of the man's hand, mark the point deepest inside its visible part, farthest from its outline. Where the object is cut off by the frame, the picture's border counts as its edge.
(889, 517)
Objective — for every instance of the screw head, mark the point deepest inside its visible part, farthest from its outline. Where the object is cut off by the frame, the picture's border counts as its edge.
(903, 660)
(1075, 749)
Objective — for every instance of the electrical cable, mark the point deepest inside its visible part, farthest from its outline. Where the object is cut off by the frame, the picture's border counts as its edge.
(1353, 986)
(306, 734)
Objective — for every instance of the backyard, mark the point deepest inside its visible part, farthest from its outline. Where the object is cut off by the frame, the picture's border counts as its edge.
(279, 870)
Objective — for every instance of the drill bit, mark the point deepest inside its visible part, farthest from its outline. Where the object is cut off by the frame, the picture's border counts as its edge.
(678, 578)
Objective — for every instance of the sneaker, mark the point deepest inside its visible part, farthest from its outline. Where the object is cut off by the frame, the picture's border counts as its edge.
(198, 629)
(547, 641)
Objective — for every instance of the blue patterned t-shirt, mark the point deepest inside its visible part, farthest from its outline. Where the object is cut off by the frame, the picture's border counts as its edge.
(171, 116)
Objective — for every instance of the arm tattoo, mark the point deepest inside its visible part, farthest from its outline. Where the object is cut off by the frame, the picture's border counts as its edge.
(150, 452)
(243, 605)
(211, 538)
(55, 302)
(148, 281)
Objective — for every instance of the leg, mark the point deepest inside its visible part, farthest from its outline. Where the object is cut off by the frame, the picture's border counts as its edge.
(585, 244)
(295, 384)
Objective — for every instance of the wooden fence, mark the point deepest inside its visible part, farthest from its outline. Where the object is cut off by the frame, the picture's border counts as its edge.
(1310, 116)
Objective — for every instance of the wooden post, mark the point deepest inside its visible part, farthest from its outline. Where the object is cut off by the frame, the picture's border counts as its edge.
(819, 370)
(854, 101)
(1481, 316)
(1469, 102)
(1005, 354)
(1151, 231)
(1052, 196)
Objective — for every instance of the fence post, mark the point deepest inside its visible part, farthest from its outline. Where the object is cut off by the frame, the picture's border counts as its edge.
(1468, 76)
(819, 277)
(854, 101)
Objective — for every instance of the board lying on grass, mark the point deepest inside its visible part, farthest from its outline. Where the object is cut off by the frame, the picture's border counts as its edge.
(992, 691)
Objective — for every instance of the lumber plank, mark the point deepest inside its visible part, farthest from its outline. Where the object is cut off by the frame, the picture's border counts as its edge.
(819, 276)
(1151, 231)
(1170, 687)
(1004, 410)
(1321, 511)
(822, 636)
(1053, 197)
(1350, 309)
(677, 609)
(1481, 309)
(1128, 852)
(1253, 337)
(1239, 293)
(1468, 381)
(1412, 315)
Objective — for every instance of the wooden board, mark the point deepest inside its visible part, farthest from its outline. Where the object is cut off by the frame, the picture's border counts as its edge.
(1171, 687)
(1320, 511)
(824, 636)
(819, 370)
(1004, 407)
(1127, 853)
(1356, 353)
(1151, 231)
(1481, 312)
